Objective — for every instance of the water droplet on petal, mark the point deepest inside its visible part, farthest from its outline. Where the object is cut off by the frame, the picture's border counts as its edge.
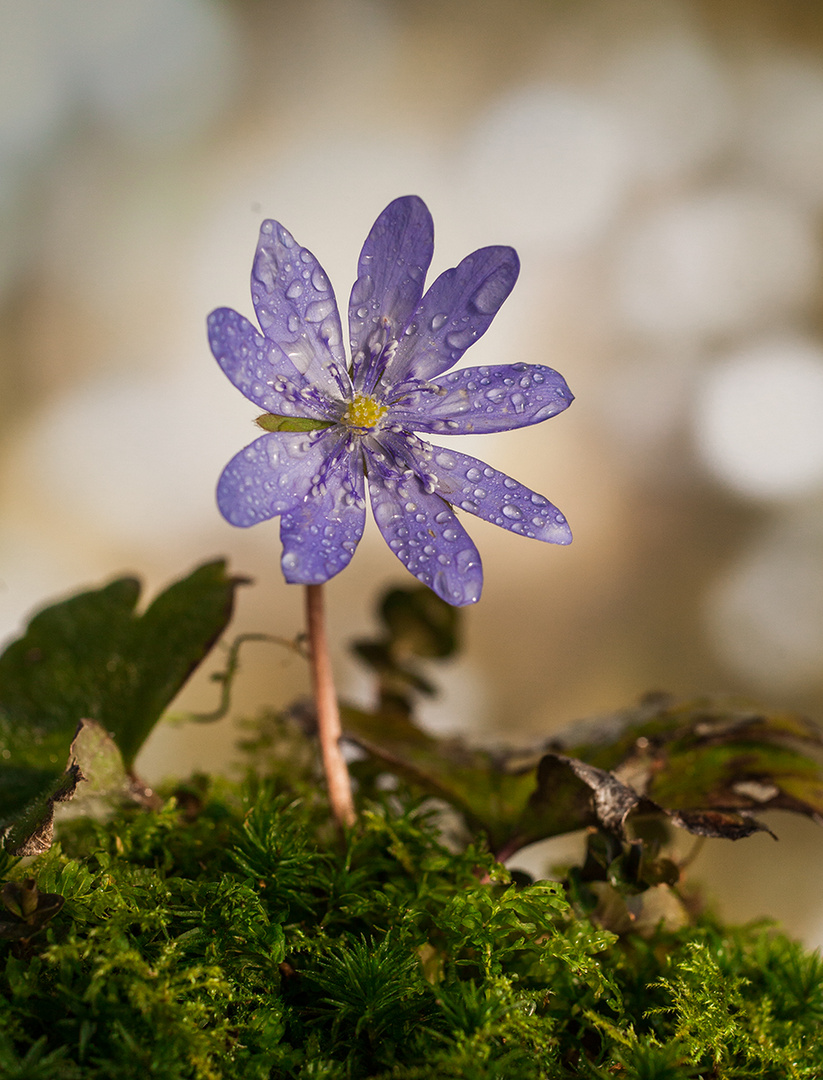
(294, 290)
(318, 310)
(319, 280)
(384, 513)
(459, 340)
(465, 560)
(439, 320)
(497, 394)
(512, 511)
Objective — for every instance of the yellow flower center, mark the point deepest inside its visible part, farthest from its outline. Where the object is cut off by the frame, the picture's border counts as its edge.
(364, 412)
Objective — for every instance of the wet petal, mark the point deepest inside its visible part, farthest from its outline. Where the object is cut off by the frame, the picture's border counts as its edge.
(320, 534)
(273, 474)
(297, 309)
(389, 285)
(454, 313)
(424, 533)
(477, 488)
(483, 400)
(261, 370)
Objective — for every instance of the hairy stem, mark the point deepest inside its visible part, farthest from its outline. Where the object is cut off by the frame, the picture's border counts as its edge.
(328, 715)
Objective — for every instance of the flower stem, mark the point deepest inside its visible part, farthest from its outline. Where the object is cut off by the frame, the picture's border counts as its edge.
(328, 715)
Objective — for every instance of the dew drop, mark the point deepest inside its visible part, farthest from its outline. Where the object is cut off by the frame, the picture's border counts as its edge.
(319, 280)
(459, 340)
(384, 513)
(465, 560)
(318, 310)
(439, 320)
(445, 459)
(472, 474)
(512, 511)
(491, 293)
(294, 290)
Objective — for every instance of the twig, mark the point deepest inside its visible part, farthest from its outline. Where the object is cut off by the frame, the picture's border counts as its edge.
(227, 677)
(328, 715)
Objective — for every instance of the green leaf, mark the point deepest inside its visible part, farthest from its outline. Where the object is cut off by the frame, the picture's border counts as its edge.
(270, 422)
(702, 766)
(27, 909)
(419, 623)
(708, 754)
(471, 779)
(92, 657)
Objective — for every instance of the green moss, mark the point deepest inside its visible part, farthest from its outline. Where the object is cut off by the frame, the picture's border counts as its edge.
(232, 934)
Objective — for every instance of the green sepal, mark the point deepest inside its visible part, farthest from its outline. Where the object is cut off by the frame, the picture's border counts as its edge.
(270, 422)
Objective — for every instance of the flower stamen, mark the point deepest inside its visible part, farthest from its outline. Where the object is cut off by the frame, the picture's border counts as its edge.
(364, 412)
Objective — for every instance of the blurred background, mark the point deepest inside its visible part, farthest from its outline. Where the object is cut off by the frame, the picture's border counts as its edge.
(659, 167)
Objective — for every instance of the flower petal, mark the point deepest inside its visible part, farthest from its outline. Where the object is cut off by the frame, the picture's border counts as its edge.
(390, 276)
(483, 400)
(477, 488)
(320, 534)
(297, 309)
(273, 474)
(424, 533)
(261, 370)
(454, 313)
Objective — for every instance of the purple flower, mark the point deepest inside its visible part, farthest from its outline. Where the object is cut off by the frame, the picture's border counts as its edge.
(332, 428)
